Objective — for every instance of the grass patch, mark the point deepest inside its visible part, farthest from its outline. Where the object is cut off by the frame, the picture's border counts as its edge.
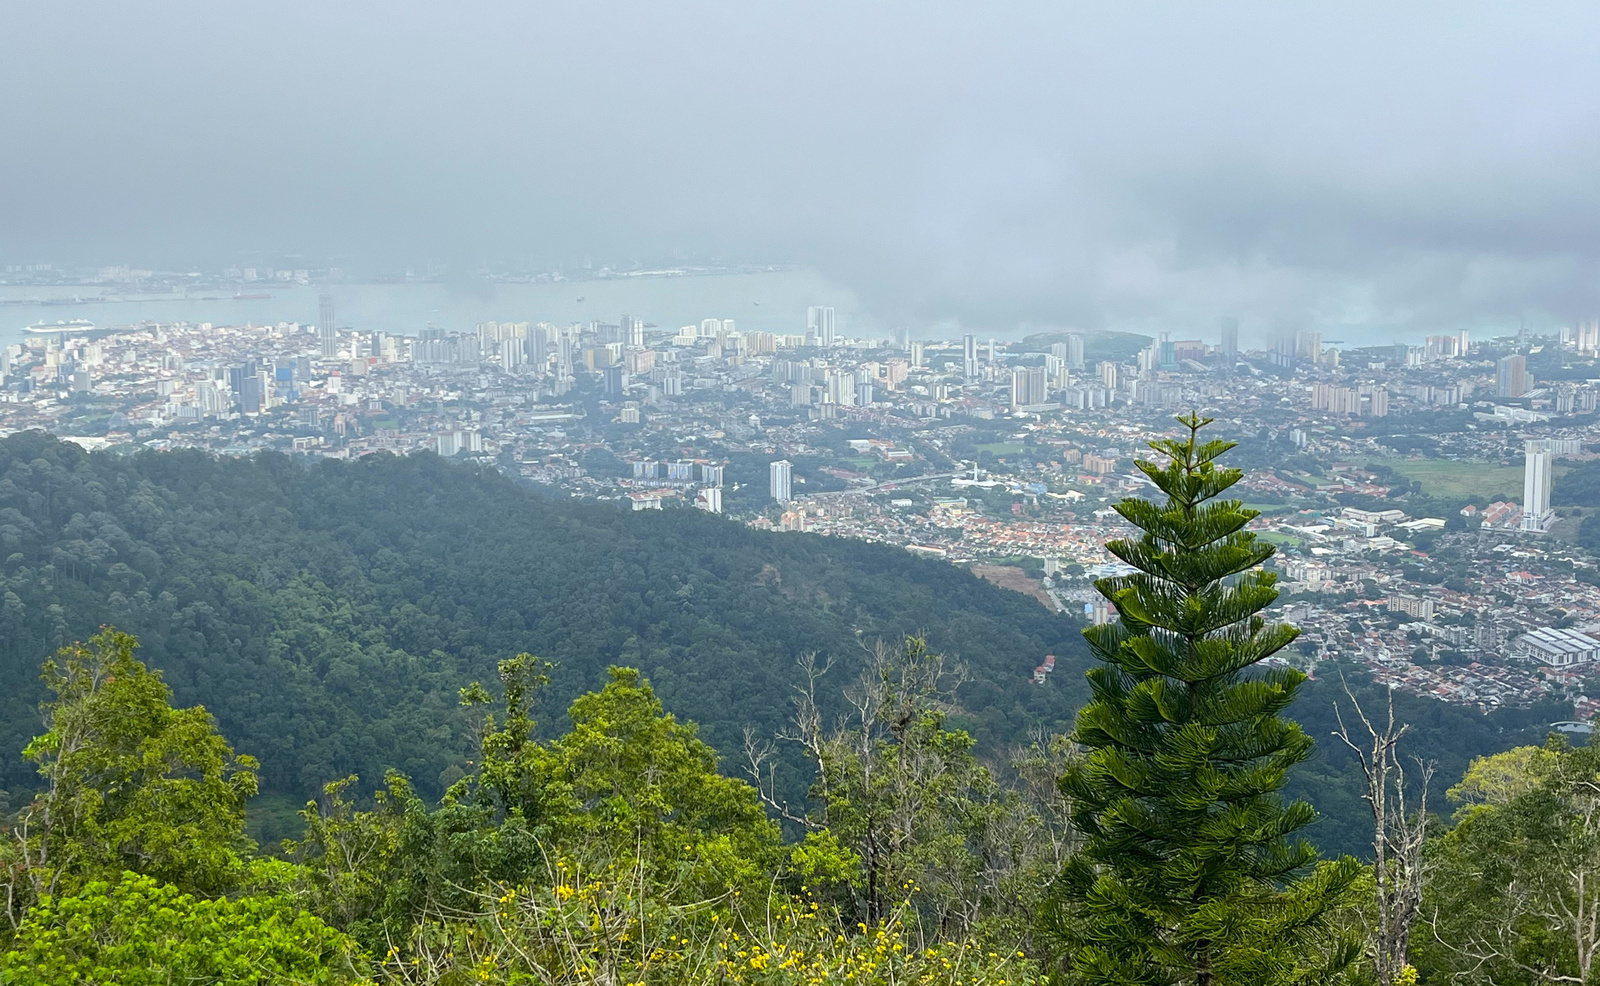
(1461, 480)
(1269, 509)
(270, 817)
(1280, 539)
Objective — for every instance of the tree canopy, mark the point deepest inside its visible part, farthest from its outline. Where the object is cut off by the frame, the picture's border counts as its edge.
(1190, 870)
(327, 613)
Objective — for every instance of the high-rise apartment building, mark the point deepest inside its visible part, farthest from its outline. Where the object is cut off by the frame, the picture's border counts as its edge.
(237, 375)
(1586, 337)
(327, 333)
(1536, 474)
(1028, 386)
(969, 356)
(1075, 351)
(211, 398)
(840, 388)
(1055, 372)
(1228, 347)
(1339, 400)
(1441, 347)
(780, 475)
(564, 361)
(1511, 376)
(251, 394)
(632, 330)
(819, 323)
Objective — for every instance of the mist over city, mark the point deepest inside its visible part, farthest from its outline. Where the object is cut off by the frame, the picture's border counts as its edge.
(1394, 170)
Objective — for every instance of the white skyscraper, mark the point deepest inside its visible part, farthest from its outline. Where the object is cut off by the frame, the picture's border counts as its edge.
(1055, 372)
(969, 356)
(819, 323)
(781, 474)
(1536, 487)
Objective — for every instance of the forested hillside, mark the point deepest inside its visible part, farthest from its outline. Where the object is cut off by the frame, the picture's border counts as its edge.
(327, 613)
(1447, 735)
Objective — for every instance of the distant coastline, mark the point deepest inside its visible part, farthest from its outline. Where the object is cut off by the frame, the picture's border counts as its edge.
(769, 298)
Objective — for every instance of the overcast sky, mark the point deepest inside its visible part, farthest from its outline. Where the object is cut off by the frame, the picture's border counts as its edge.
(1413, 165)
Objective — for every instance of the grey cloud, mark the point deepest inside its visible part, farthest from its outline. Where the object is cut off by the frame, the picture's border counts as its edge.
(984, 164)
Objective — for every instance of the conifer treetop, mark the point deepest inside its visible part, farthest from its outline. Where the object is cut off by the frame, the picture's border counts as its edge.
(1192, 870)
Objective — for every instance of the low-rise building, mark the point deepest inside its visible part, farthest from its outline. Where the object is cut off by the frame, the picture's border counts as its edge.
(1557, 648)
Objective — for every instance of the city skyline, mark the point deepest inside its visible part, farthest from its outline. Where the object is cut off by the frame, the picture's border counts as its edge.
(1441, 481)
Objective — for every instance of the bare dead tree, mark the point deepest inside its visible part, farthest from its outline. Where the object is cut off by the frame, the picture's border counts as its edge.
(1398, 832)
(1038, 768)
(891, 782)
(806, 730)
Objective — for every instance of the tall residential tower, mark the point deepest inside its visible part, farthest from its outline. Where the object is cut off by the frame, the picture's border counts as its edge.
(819, 323)
(781, 476)
(1536, 472)
(1511, 376)
(1228, 350)
(327, 334)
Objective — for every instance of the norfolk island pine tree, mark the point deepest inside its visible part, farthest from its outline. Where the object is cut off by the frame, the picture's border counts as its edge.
(1192, 870)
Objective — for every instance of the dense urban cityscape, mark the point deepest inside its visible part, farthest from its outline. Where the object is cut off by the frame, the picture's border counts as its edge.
(1414, 491)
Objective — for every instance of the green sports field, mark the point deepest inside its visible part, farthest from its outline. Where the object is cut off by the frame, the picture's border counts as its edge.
(1458, 480)
(1002, 448)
